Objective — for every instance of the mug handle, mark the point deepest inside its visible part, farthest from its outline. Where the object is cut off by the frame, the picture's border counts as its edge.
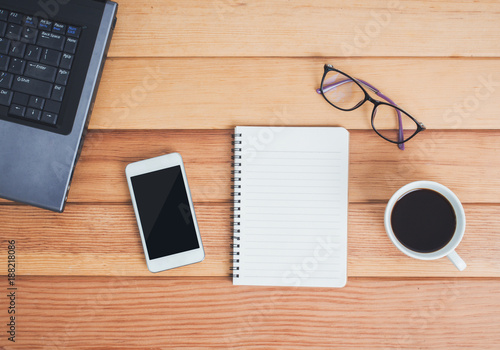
(457, 260)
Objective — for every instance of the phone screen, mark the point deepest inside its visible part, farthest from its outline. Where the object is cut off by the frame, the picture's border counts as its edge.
(164, 210)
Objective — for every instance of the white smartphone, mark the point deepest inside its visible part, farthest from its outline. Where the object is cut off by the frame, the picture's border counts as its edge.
(165, 213)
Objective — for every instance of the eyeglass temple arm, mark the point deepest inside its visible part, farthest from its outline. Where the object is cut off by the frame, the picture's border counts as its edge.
(378, 93)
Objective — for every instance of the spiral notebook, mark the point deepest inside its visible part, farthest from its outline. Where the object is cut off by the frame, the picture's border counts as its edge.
(290, 211)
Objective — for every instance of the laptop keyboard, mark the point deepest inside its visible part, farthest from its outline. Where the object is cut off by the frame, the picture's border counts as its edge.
(36, 57)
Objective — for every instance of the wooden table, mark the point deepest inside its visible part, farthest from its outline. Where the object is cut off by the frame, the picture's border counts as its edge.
(180, 76)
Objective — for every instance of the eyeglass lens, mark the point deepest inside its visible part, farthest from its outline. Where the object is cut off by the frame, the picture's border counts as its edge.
(341, 91)
(389, 124)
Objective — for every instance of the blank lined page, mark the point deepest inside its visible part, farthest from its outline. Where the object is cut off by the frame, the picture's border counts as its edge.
(292, 209)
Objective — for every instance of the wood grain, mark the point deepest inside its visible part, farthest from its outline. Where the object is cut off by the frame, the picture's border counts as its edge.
(302, 28)
(161, 313)
(220, 93)
(103, 240)
(377, 168)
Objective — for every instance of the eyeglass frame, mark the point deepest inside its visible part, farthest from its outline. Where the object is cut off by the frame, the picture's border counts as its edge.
(420, 126)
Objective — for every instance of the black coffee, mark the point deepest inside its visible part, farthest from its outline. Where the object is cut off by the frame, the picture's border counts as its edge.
(423, 221)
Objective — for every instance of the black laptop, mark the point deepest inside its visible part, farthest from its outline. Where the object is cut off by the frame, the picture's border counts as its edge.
(52, 54)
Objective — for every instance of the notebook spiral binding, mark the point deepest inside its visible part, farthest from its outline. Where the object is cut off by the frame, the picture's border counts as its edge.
(236, 178)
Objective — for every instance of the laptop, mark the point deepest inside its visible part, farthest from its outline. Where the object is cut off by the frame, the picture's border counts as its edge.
(52, 54)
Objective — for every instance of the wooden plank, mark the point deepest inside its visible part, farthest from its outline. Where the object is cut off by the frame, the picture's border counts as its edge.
(209, 313)
(377, 168)
(104, 240)
(215, 93)
(301, 28)
(100, 175)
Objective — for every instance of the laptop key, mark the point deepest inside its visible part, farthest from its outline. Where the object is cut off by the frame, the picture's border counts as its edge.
(20, 99)
(36, 102)
(17, 65)
(33, 53)
(49, 118)
(4, 15)
(62, 77)
(73, 31)
(50, 57)
(40, 71)
(32, 113)
(52, 106)
(45, 24)
(58, 93)
(30, 21)
(51, 40)
(3, 28)
(5, 97)
(14, 31)
(15, 17)
(29, 35)
(32, 87)
(4, 62)
(70, 46)
(6, 80)
(17, 110)
(59, 28)
(4, 45)
(66, 61)
(17, 49)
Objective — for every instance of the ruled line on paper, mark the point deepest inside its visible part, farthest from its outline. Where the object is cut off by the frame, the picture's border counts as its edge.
(287, 234)
(279, 274)
(291, 193)
(288, 214)
(287, 249)
(287, 172)
(287, 186)
(304, 221)
(310, 158)
(302, 200)
(288, 207)
(304, 239)
(288, 228)
(254, 260)
(292, 165)
(277, 271)
(294, 152)
(287, 179)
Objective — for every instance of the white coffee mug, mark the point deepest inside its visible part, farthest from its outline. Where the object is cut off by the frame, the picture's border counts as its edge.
(449, 249)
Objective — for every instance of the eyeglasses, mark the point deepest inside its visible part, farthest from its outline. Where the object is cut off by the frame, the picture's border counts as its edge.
(388, 120)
